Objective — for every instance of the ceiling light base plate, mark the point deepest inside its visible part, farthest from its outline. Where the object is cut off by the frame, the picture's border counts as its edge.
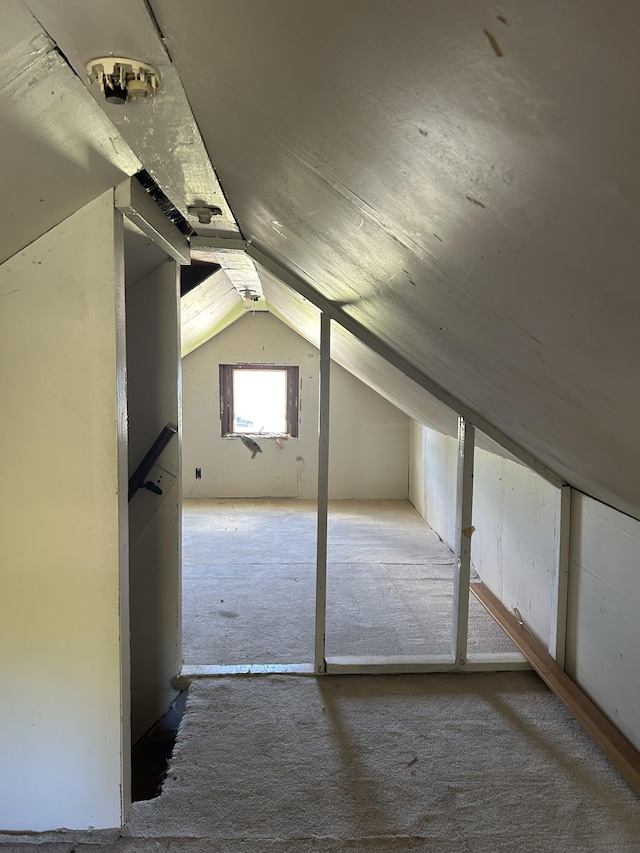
(123, 79)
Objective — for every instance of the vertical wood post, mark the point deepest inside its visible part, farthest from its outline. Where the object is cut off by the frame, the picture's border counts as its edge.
(323, 493)
(464, 530)
(558, 640)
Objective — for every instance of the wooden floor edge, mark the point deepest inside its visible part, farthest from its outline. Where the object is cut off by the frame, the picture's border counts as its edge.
(610, 739)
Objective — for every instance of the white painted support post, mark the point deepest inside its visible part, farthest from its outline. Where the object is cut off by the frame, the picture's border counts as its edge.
(323, 493)
(464, 530)
(558, 640)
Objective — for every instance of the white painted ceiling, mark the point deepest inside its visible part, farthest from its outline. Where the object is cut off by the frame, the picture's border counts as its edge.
(464, 175)
(59, 151)
(482, 209)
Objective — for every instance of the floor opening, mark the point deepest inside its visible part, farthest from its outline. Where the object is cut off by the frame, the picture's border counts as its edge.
(151, 754)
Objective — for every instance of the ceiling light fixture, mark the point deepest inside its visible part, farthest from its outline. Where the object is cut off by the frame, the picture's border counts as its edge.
(250, 297)
(123, 80)
(204, 212)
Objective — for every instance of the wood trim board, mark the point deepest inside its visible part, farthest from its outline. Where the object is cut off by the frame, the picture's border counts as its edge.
(621, 752)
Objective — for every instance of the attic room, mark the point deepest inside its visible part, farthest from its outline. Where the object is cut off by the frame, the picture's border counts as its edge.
(420, 218)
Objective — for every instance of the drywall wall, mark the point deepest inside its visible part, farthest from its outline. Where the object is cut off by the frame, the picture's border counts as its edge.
(432, 479)
(516, 515)
(603, 629)
(227, 467)
(64, 644)
(369, 442)
(369, 436)
(155, 520)
(515, 546)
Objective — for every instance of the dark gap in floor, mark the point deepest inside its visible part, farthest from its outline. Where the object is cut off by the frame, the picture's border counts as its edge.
(151, 754)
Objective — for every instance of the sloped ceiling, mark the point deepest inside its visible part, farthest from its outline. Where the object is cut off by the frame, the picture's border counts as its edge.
(207, 310)
(466, 175)
(304, 318)
(59, 150)
(463, 177)
(160, 131)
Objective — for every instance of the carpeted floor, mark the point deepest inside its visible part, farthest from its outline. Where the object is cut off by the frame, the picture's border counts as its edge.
(446, 763)
(484, 763)
(249, 583)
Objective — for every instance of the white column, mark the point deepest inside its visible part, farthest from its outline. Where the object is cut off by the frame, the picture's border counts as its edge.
(464, 530)
(323, 493)
(558, 640)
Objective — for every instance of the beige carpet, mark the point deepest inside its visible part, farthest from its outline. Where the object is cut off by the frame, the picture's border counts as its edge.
(447, 763)
(249, 583)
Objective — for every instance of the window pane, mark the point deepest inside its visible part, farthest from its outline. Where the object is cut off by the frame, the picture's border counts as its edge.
(260, 401)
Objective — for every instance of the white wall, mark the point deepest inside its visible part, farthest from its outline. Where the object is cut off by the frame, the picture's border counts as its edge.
(603, 628)
(64, 639)
(515, 546)
(155, 521)
(369, 442)
(515, 551)
(516, 515)
(369, 436)
(432, 479)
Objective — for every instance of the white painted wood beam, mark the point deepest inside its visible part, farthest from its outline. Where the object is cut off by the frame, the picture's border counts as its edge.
(204, 248)
(196, 671)
(295, 282)
(558, 639)
(399, 664)
(347, 665)
(323, 494)
(136, 204)
(464, 531)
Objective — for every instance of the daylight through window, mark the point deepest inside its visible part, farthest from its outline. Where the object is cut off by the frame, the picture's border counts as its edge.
(258, 399)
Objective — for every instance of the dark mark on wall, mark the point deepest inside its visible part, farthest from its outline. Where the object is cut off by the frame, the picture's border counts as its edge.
(228, 614)
(438, 238)
(475, 201)
(423, 132)
(494, 44)
(502, 20)
(251, 445)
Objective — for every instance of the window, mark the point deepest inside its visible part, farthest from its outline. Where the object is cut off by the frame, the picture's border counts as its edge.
(258, 399)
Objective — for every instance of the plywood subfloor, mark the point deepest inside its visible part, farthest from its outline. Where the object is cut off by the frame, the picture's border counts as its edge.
(249, 583)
